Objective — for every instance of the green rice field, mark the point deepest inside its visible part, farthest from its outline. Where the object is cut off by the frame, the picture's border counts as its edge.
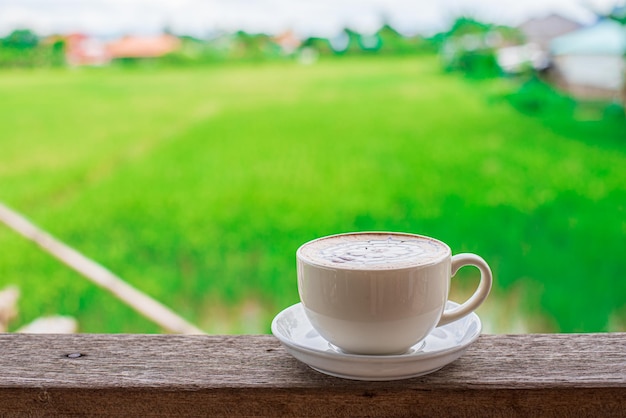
(197, 185)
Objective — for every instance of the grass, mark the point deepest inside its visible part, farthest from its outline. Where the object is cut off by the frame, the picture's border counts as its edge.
(197, 186)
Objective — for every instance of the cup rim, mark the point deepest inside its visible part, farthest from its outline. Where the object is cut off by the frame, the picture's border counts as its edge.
(300, 258)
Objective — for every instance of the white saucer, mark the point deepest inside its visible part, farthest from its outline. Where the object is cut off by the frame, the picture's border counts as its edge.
(441, 347)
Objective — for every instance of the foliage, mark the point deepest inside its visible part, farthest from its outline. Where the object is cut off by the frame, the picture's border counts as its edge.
(22, 48)
(387, 41)
(469, 46)
(618, 14)
(198, 184)
(21, 39)
(253, 47)
(321, 45)
(394, 43)
(536, 97)
(477, 64)
(600, 119)
(195, 51)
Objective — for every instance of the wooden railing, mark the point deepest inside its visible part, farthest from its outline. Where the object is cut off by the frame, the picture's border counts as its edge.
(163, 375)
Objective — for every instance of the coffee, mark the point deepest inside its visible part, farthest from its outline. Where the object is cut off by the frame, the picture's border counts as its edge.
(381, 292)
(374, 251)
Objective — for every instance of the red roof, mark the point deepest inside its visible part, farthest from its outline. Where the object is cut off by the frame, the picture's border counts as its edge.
(83, 50)
(143, 47)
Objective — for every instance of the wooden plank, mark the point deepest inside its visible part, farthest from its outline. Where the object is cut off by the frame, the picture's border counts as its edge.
(164, 375)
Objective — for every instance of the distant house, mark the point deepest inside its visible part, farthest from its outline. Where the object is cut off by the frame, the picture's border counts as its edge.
(81, 49)
(142, 47)
(534, 52)
(541, 31)
(591, 62)
(288, 42)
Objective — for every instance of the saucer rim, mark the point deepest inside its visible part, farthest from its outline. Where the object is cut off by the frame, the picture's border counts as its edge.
(416, 355)
(380, 377)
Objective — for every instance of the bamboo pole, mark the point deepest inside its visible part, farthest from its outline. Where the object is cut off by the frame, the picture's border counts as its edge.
(8, 306)
(98, 274)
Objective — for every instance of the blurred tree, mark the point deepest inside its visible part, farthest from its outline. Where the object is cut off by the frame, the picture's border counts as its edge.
(354, 42)
(23, 48)
(253, 47)
(370, 43)
(21, 39)
(469, 46)
(195, 51)
(321, 45)
(393, 42)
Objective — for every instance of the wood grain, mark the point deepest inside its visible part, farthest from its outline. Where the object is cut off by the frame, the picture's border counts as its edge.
(165, 375)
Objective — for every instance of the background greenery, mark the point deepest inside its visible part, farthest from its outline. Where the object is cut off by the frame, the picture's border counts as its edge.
(198, 184)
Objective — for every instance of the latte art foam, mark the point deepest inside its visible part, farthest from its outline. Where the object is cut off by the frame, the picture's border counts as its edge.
(372, 250)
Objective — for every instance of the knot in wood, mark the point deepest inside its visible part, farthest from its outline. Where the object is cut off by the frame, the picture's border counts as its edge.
(74, 355)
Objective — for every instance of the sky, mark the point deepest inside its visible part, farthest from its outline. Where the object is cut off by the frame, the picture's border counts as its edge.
(305, 17)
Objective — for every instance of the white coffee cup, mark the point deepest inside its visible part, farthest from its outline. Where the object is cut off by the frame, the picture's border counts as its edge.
(381, 292)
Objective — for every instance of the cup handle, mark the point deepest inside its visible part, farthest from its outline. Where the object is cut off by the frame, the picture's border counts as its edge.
(481, 293)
